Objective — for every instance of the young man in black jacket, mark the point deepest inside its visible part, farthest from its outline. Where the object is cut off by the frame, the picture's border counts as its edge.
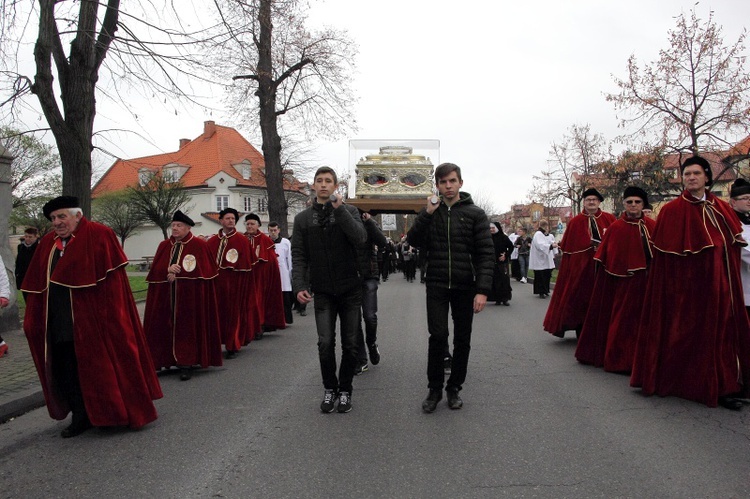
(326, 243)
(456, 234)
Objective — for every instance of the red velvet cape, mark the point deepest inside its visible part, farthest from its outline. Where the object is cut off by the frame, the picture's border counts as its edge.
(610, 330)
(234, 289)
(114, 365)
(187, 335)
(575, 279)
(267, 276)
(694, 335)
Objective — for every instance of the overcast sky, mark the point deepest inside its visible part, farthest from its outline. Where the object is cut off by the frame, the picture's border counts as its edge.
(495, 84)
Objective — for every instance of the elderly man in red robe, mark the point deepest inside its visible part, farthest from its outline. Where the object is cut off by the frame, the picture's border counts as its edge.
(575, 280)
(266, 277)
(181, 319)
(610, 331)
(232, 253)
(83, 328)
(694, 335)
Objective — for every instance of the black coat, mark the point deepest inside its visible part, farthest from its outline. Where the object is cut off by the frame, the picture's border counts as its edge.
(327, 249)
(459, 246)
(23, 259)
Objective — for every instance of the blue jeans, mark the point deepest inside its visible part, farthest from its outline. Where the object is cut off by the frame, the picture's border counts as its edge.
(370, 315)
(461, 304)
(523, 263)
(347, 308)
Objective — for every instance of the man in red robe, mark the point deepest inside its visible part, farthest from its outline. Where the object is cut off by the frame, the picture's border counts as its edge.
(694, 335)
(266, 276)
(575, 280)
(181, 319)
(611, 327)
(234, 282)
(97, 366)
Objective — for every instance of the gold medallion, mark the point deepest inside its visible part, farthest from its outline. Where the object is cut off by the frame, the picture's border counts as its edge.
(188, 263)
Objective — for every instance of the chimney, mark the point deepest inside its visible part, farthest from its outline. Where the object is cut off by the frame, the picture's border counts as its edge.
(184, 142)
(209, 128)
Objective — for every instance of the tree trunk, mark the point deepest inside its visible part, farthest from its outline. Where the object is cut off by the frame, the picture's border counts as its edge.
(277, 205)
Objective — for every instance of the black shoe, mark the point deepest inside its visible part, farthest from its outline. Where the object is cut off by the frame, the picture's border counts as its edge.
(430, 403)
(329, 401)
(303, 313)
(185, 373)
(374, 354)
(76, 428)
(730, 403)
(506, 304)
(230, 354)
(345, 402)
(447, 363)
(361, 368)
(454, 401)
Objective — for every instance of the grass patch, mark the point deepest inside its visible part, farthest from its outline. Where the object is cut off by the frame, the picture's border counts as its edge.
(139, 286)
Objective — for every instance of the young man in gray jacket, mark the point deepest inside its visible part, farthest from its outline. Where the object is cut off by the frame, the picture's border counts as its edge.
(460, 258)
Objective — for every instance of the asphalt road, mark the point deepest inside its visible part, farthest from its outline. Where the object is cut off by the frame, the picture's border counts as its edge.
(534, 424)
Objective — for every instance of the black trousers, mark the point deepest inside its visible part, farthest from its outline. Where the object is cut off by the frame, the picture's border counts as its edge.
(65, 376)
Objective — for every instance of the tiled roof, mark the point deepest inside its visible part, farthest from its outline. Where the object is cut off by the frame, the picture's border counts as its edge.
(673, 161)
(215, 150)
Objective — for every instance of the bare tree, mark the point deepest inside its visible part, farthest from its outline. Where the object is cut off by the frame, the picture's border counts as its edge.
(157, 199)
(295, 72)
(696, 97)
(483, 200)
(574, 162)
(143, 57)
(35, 171)
(119, 212)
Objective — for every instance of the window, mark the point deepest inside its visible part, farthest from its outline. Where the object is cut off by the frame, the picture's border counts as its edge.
(245, 172)
(144, 176)
(222, 202)
(170, 175)
(248, 204)
(262, 205)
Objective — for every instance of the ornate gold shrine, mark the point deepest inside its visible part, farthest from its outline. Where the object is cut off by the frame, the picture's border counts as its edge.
(394, 173)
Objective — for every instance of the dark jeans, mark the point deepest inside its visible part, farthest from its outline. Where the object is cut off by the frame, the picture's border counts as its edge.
(370, 315)
(327, 309)
(288, 302)
(461, 304)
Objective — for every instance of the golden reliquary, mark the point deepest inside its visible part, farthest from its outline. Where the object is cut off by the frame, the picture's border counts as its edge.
(394, 172)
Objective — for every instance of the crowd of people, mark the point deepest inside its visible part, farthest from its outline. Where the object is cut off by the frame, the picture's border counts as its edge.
(660, 300)
(663, 300)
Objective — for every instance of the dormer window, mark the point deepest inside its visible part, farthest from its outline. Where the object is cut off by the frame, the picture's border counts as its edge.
(244, 168)
(173, 172)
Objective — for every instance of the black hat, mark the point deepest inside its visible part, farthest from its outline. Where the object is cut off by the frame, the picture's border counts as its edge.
(181, 217)
(592, 192)
(226, 211)
(252, 216)
(632, 190)
(739, 187)
(703, 163)
(59, 203)
(647, 206)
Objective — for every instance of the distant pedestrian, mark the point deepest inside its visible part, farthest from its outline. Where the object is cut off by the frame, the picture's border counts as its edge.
(4, 300)
(542, 258)
(523, 244)
(26, 250)
(283, 248)
(501, 292)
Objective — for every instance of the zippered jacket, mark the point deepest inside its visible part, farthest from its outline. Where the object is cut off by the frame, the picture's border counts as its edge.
(460, 252)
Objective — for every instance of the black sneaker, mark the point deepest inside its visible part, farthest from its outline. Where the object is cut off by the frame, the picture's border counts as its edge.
(374, 354)
(345, 402)
(361, 368)
(329, 401)
(454, 401)
(430, 403)
(447, 363)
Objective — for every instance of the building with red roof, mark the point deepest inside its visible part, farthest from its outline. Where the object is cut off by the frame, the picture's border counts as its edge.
(219, 168)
